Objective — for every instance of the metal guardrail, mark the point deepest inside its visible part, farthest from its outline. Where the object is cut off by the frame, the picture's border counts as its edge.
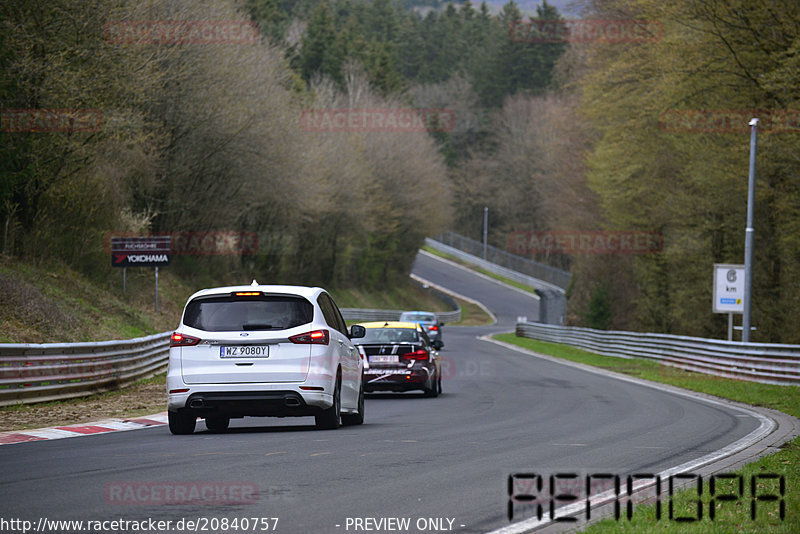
(33, 372)
(767, 363)
(357, 314)
(534, 282)
(496, 257)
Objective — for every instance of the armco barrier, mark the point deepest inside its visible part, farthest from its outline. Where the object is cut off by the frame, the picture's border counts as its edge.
(502, 262)
(537, 283)
(33, 372)
(758, 362)
(356, 314)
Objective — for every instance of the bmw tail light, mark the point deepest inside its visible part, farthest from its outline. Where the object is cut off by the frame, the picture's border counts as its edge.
(182, 340)
(433, 328)
(317, 337)
(416, 355)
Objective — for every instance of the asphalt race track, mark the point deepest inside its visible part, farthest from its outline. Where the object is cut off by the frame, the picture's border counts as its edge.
(444, 459)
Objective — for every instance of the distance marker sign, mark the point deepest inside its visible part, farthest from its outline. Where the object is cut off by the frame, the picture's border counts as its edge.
(140, 251)
(728, 288)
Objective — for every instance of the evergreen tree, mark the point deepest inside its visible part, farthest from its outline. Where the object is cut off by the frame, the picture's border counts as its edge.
(320, 51)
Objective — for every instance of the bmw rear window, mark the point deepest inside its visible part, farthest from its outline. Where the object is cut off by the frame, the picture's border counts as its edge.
(389, 335)
(237, 313)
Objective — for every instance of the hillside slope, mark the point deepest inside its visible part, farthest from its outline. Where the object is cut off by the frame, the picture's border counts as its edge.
(55, 304)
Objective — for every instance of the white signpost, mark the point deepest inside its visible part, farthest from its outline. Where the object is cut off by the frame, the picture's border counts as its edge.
(728, 291)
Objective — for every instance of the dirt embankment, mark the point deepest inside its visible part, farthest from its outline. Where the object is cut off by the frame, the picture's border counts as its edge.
(144, 398)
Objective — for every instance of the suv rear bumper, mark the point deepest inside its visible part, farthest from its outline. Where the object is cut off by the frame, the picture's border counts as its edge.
(265, 403)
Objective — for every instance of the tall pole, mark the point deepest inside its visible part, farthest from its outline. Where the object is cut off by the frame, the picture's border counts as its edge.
(485, 230)
(748, 234)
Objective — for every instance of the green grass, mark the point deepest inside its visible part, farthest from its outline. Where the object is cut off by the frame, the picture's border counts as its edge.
(52, 303)
(472, 314)
(731, 516)
(408, 296)
(475, 268)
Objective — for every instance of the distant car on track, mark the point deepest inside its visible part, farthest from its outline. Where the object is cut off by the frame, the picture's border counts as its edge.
(399, 356)
(263, 350)
(428, 320)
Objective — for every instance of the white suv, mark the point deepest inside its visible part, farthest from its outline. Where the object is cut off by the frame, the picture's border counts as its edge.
(263, 350)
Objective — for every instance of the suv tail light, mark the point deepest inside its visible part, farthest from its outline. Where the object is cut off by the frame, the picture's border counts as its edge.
(182, 340)
(317, 337)
(416, 355)
(433, 327)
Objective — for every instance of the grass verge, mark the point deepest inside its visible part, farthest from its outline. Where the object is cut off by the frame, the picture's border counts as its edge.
(55, 304)
(408, 296)
(472, 314)
(729, 516)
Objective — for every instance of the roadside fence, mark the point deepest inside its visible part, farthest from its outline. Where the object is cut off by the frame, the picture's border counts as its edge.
(768, 363)
(39, 372)
(500, 262)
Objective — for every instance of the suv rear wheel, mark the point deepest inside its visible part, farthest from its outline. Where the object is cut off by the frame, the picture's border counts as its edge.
(332, 417)
(217, 424)
(358, 417)
(181, 423)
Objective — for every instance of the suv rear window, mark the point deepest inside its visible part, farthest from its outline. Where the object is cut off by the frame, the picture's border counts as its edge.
(232, 313)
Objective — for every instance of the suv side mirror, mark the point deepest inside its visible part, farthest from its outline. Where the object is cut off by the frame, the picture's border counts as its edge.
(357, 331)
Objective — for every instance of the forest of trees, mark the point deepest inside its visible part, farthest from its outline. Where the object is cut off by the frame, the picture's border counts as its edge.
(556, 136)
(201, 138)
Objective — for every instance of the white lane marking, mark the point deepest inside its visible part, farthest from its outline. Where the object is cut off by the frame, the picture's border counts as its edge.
(766, 427)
